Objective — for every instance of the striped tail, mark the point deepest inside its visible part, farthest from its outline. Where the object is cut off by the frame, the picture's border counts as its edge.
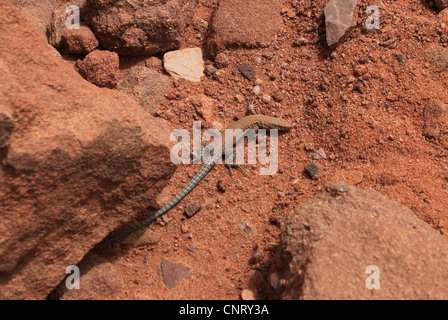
(193, 183)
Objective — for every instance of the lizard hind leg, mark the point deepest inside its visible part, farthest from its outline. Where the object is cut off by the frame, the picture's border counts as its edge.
(239, 166)
(230, 164)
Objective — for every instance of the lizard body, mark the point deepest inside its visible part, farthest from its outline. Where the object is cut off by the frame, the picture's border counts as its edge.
(249, 122)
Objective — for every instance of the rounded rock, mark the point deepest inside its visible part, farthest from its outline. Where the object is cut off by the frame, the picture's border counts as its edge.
(100, 68)
(222, 61)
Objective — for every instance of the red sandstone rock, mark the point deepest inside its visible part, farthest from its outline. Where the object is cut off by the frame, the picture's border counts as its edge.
(340, 19)
(100, 68)
(124, 27)
(330, 241)
(247, 23)
(81, 162)
(38, 13)
(79, 41)
(98, 278)
(56, 27)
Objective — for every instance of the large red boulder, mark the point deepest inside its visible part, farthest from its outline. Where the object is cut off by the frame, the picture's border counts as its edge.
(128, 28)
(350, 243)
(244, 23)
(76, 161)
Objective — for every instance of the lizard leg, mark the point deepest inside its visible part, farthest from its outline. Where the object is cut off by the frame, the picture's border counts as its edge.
(251, 108)
(239, 165)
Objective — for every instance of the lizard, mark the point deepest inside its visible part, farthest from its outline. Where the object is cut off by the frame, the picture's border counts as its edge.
(254, 121)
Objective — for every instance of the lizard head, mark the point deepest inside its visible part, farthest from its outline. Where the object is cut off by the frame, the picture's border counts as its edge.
(281, 124)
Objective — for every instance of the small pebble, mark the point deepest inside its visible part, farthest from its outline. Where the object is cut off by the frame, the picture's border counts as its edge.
(222, 186)
(222, 61)
(209, 70)
(278, 96)
(268, 55)
(274, 280)
(312, 170)
(246, 70)
(266, 98)
(359, 70)
(256, 257)
(239, 98)
(401, 58)
(192, 209)
(319, 154)
(247, 295)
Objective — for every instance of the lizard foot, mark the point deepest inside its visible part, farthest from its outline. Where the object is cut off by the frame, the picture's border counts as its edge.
(239, 165)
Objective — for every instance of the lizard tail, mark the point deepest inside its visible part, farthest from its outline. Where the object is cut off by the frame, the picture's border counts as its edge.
(194, 182)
